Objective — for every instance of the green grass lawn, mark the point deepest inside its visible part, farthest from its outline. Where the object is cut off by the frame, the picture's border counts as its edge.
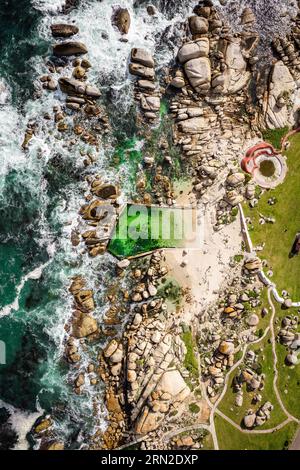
(288, 379)
(288, 376)
(230, 438)
(208, 443)
(227, 405)
(274, 136)
(190, 360)
(279, 237)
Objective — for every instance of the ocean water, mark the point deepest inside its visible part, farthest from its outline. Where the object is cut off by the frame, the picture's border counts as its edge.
(40, 195)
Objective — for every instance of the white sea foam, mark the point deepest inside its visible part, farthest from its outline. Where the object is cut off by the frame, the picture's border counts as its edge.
(21, 423)
(108, 53)
(48, 5)
(5, 93)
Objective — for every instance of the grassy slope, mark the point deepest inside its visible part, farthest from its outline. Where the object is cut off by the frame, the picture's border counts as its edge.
(279, 237)
(288, 376)
(190, 360)
(227, 406)
(274, 136)
(230, 438)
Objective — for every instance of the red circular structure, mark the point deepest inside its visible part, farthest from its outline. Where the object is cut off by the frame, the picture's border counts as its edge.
(249, 164)
(256, 157)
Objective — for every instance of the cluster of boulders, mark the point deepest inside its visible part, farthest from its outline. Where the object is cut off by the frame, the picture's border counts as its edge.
(211, 85)
(258, 418)
(237, 189)
(81, 96)
(31, 129)
(190, 440)
(280, 99)
(254, 383)
(162, 189)
(235, 307)
(147, 284)
(146, 92)
(290, 338)
(82, 324)
(144, 370)
(287, 48)
(79, 93)
(218, 364)
(234, 187)
(44, 432)
(215, 61)
(100, 215)
(252, 264)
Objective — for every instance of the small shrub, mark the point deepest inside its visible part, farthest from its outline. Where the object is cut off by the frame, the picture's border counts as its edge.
(194, 408)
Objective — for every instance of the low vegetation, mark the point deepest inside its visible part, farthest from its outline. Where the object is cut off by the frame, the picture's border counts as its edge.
(278, 238)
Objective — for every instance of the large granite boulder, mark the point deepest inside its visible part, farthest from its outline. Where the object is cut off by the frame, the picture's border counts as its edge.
(198, 25)
(63, 30)
(198, 72)
(69, 48)
(121, 19)
(193, 50)
(237, 75)
(193, 125)
(142, 71)
(171, 385)
(150, 103)
(281, 90)
(226, 347)
(83, 325)
(249, 420)
(71, 85)
(141, 56)
(247, 16)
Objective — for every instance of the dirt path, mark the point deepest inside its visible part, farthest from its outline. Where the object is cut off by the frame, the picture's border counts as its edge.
(253, 431)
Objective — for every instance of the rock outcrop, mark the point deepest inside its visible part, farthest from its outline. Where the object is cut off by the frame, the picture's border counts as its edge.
(121, 19)
(277, 105)
(64, 30)
(147, 93)
(71, 85)
(69, 48)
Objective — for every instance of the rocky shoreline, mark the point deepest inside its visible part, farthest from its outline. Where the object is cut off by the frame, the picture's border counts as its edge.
(150, 387)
